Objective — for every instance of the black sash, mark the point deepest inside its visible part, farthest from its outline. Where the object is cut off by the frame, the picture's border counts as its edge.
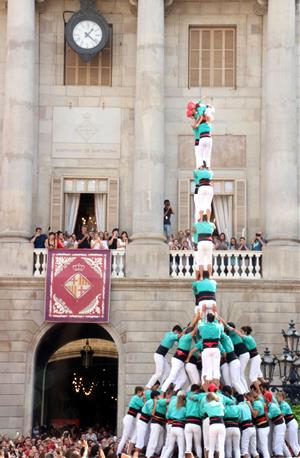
(231, 422)
(161, 350)
(253, 352)
(205, 296)
(210, 343)
(204, 238)
(240, 349)
(181, 354)
(231, 356)
(214, 420)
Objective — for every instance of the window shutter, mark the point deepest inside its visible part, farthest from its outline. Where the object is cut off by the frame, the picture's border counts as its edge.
(240, 205)
(56, 203)
(113, 204)
(183, 204)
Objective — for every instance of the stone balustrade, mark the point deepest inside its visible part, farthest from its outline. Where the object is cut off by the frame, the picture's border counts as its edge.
(226, 264)
(40, 263)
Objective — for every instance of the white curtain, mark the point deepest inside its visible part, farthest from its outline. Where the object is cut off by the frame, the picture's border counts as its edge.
(100, 210)
(71, 211)
(222, 206)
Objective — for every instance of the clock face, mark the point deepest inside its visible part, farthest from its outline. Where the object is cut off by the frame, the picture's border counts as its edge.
(87, 34)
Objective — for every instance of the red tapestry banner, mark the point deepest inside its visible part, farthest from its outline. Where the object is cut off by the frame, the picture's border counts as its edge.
(78, 285)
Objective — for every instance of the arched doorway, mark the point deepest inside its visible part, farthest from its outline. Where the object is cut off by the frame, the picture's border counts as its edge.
(65, 391)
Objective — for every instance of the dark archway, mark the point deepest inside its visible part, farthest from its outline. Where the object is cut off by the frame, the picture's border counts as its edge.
(58, 369)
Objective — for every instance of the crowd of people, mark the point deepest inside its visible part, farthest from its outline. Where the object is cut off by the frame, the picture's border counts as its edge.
(71, 442)
(183, 241)
(213, 398)
(85, 239)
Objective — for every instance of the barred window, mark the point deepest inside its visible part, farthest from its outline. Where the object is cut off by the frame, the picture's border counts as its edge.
(212, 56)
(97, 72)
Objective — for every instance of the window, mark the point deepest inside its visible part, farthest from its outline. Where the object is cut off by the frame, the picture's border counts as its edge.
(97, 72)
(212, 56)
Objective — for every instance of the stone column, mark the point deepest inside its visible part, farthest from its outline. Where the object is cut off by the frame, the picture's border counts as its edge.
(147, 255)
(18, 138)
(281, 257)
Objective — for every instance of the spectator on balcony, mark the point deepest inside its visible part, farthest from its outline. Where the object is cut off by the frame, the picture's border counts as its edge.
(106, 236)
(50, 242)
(38, 239)
(243, 245)
(222, 243)
(84, 238)
(258, 242)
(71, 242)
(97, 243)
(124, 240)
(233, 245)
(188, 238)
(168, 211)
(114, 239)
(216, 242)
(60, 240)
(103, 239)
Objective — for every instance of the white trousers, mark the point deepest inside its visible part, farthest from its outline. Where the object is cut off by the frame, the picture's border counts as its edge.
(278, 439)
(254, 369)
(162, 370)
(225, 374)
(204, 254)
(263, 441)
(292, 436)
(177, 375)
(211, 363)
(217, 436)
(244, 359)
(193, 373)
(176, 436)
(129, 424)
(235, 376)
(204, 150)
(141, 433)
(205, 428)
(192, 434)
(209, 304)
(248, 442)
(167, 442)
(155, 439)
(232, 443)
(203, 199)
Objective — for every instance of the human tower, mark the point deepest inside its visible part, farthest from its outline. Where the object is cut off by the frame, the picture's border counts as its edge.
(223, 411)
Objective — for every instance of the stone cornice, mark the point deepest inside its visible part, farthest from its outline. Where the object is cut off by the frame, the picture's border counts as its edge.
(261, 7)
(291, 286)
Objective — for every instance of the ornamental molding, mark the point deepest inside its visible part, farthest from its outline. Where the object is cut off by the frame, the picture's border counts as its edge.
(133, 5)
(260, 7)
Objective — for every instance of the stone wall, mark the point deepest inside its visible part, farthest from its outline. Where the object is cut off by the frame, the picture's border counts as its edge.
(141, 311)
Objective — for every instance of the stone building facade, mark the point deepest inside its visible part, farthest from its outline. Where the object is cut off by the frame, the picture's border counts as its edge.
(130, 141)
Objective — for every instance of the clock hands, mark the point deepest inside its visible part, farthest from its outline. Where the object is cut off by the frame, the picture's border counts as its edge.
(87, 35)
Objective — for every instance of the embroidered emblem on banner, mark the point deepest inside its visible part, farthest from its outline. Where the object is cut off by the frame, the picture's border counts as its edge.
(78, 285)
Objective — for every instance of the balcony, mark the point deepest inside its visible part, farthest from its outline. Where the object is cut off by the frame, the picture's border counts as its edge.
(232, 265)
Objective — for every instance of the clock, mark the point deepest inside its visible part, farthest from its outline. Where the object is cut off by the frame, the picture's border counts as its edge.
(87, 32)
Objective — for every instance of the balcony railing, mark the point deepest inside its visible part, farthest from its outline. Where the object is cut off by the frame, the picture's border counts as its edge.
(40, 263)
(226, 264)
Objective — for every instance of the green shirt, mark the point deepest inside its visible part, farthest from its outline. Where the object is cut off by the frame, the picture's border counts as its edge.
(204, 285)
(170, 407)
(185, 342)
(249, 342)
(215, 409)
(245, 411)
(227, 343)
(161, 406)
(273, 410)
(259, 406)
(236, 339)
(148, 406)
(176, 414)
(148, 393)
(192, 406)
(169, 339)
(210, 331)
(202, 174)
(232, 411)
(136, 402)
(285, 408)
(203, 227)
